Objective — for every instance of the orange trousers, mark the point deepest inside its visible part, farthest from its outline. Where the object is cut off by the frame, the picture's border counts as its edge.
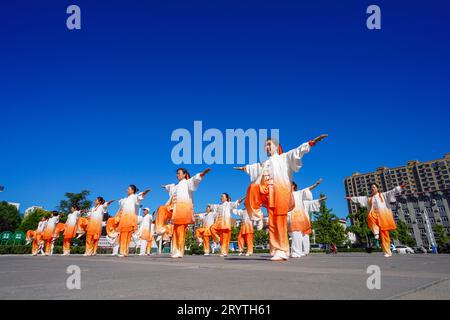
(91, 244)
(124, 241)
(278, 233)
(34, 246)
(162, 216)
(48, 246)
(245, 239)
(66, 245)
(372, 222)
(225, 237)
(206, 247)
(215, 233)
(179, 239)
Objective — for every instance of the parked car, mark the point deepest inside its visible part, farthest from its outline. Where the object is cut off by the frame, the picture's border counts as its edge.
(259, 247)
(314, 247)
(419, 249)
(403, 249)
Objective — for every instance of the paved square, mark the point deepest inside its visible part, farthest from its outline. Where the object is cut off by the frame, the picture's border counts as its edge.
(318, 276)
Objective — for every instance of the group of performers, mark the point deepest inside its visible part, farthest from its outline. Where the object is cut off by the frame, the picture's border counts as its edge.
(271, 186)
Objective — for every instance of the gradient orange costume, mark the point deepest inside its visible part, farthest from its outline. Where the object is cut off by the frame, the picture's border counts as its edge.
(112, 232)
(145, 234)
(30, 236)
(203, 234)
(48, 233)
(271, 187)
(246, 232)
(128, 220)
(38, 242)
(94, 228)
(380, 218)
(222, 225)
(299, 224)
(181, 210)
(70, 230)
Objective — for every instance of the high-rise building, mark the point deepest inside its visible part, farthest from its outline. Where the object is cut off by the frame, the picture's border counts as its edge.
(425, 201)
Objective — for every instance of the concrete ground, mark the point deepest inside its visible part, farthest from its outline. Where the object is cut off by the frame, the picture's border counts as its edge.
(318, 276)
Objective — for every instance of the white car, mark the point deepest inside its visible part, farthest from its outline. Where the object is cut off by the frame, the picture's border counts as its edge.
(403, 249)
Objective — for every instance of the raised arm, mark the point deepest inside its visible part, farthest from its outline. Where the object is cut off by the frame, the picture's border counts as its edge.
(316, 184)
(363, 201)
(390, 195)
(194, 181)
(294, 156)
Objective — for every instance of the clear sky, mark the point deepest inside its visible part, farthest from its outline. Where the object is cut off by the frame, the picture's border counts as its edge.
(95, 108)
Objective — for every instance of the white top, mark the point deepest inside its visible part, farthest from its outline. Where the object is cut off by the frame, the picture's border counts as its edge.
(184, 189)
(243, 214)
(96, 213)
(145, 223)
(377, 202)
(224, 209)
(279, 168)
(41, 226)
(131, 203)
(303, 202)
(72, 218)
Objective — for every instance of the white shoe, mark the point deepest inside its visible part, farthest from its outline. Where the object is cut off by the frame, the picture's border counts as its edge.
(248, 254)
(387, 255)
(240, 254)
(174, 256)
(206, 254)
(279, 256)
(294, 255)
(260, 225)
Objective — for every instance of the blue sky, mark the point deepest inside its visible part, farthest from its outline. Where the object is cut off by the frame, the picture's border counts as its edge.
(95, 108)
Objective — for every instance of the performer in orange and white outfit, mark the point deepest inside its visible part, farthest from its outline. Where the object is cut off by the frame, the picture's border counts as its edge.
(299, 222)
(180, 208)
(70, 229)
(36, 235)
(145, 233)
(380, 218)
(112, 234)
(222, 225)
(245, 236)
(271, 187)
(94, 227)
(48, 233)
(128, 218)
(203, 234)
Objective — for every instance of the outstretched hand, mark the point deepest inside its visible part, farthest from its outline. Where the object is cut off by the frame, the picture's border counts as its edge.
(109, 202)
(319, 138)
(144, 193)
(205, 172)
(239, 168)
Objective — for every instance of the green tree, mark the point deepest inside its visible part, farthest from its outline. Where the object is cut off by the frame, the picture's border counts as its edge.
(31, 221)
(359, 225)
(79, 199)
(9, 217)
(234, 233)
(261, 237)
(402, 234)
(327, 227)
(441, 236)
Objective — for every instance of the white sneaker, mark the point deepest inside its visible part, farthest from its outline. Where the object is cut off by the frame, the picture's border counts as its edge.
(260, 225)
(294, 255)
(279, 256)
(248, 254)
(174, 256)
(206, 254)
(387, 255)
(240, 254)
(121, 256)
